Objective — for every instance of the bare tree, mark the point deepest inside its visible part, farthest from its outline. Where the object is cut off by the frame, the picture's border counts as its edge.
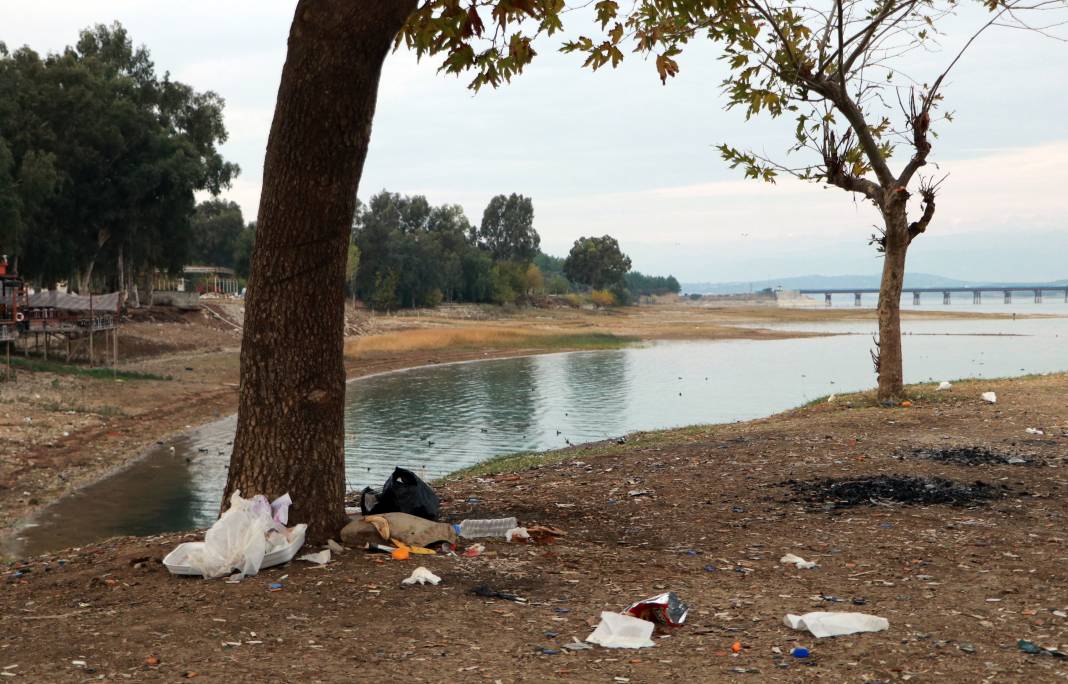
(837, 67)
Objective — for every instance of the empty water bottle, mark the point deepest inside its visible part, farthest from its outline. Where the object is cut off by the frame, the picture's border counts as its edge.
(474, 529)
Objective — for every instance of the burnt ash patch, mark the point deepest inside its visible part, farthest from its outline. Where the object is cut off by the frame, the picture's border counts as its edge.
(835, 493)
(973, 456)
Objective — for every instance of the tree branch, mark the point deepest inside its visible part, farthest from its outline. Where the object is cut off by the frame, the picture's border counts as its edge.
(920, 122)
(927, 190)
(855, 117)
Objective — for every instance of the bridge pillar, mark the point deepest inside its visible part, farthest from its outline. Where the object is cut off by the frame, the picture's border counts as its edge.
(1038, 296)
(856, 299)
(827, 298)
(1008, 296)
(977, 297)
(915, 298)
(945, 298)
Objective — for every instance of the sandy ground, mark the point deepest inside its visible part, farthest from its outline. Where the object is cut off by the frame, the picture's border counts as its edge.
(60, 432)
(706, 512)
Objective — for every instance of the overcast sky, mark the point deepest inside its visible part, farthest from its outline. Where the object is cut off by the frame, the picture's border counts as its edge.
(615, 152)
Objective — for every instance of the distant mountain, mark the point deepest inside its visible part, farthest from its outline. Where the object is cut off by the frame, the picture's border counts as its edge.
(844, 282)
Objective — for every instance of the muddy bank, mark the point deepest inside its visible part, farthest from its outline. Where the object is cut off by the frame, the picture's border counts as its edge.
(706, 512)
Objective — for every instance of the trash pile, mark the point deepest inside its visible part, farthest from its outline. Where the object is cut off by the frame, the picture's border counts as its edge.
(249, 536)
(400, 521)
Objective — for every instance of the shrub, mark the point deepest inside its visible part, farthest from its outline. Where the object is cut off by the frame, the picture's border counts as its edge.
(533, 279)
(573, 300)
(602, 298)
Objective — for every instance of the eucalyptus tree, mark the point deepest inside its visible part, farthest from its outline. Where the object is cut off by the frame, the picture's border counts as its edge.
(507, 229)
(105, 157)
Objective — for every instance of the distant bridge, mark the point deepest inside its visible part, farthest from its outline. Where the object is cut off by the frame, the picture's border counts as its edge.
(1037, 289)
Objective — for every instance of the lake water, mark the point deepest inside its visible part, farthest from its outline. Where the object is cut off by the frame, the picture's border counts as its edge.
(437, 419)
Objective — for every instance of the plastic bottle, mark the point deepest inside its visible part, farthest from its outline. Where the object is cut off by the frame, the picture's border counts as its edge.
(473, 529)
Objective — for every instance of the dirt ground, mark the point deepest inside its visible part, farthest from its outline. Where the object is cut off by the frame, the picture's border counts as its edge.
(706, 512)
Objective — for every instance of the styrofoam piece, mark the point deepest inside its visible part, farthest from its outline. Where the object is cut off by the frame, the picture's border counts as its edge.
(622, 631)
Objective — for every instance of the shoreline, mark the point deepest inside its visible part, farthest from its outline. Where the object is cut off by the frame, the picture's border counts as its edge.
(374, 366)
(203, 406)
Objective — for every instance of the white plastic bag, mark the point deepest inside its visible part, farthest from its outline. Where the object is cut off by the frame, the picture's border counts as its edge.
(239, 539)
(827, 624)
(989, 397)
(280, 509)
(622, 631)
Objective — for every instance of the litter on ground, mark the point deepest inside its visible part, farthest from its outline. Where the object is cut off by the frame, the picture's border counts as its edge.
(321, 558)
(798, 561)
(250, 535)
(622, 631)
(421, 576)
(827, 624)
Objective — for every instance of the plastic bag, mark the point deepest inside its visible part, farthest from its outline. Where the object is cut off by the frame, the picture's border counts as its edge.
(622, 631)
(828, 624)
(239, 539)
(403, 492)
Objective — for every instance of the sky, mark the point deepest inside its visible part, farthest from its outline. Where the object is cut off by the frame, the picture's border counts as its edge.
(615, 152)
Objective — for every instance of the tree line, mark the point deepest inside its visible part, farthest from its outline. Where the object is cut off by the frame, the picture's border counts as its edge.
(100, 160)
(406, 253)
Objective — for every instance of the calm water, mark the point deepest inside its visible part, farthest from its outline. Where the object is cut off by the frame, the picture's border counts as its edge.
(435, 420)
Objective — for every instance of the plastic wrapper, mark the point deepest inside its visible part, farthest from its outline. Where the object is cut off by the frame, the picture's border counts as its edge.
(663, 609)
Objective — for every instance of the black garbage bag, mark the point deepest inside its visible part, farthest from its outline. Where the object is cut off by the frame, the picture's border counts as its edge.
(403, 492)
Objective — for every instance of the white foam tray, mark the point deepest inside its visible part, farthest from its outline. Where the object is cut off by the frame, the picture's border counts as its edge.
(280, 555)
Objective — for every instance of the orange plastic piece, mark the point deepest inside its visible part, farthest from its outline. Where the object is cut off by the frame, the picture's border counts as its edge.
(736, 647)
(402, 553)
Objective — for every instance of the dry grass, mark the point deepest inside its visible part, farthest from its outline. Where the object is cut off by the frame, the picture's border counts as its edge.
(480, 337)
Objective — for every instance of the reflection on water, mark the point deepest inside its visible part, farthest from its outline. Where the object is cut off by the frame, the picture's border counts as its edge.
(435, 420)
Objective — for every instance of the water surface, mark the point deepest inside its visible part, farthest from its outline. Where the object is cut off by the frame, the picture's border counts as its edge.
(437, 419)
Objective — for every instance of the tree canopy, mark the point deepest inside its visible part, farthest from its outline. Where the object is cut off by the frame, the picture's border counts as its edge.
(416, 254)
(597, 262)
(100, 158)
(507, 229)
(217, 234)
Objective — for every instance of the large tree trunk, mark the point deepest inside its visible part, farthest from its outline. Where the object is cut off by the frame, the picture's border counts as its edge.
(290, 434)
(891, 375)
